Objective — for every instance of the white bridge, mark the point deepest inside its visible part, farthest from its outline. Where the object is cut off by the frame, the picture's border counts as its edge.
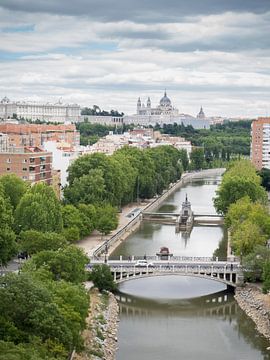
(229, 273)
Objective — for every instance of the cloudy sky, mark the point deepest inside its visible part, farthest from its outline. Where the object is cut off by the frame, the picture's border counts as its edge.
(214, 53)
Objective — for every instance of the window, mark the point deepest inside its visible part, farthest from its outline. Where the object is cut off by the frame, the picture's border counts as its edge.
(9, 161)
(8, 169)
(31, 168)
(24, 161)
(32, 160)
(24, 169)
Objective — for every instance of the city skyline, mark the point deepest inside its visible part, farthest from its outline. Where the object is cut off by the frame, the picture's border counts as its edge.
(100, 52)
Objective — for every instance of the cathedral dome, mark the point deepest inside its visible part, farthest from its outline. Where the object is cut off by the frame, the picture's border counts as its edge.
(165, 101)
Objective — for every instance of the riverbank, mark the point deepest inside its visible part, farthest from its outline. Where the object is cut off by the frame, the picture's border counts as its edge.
(256, 305)
(100, 335)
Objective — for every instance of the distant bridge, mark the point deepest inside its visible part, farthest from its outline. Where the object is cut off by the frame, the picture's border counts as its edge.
(172, 218)
(228, 273)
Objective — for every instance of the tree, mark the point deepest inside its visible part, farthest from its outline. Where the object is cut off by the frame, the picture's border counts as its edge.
(67, 264)
(245, 209)
(197, 159)
(107, 219)
(235, 188)
(28, 304)
(102, 278)
(39, 209)
(265, 176)
(253, 263)
(72, 218)
(246, 237)
(87, 188)
(14, 188)
(8, 246)
(33, 241)
(266, 277)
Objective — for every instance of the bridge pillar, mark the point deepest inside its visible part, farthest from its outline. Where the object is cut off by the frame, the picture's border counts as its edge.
(121, 272)
(132, 257)
(173, 268)
(199, 269)
(186, 269)
(212, 271)
(240, 278)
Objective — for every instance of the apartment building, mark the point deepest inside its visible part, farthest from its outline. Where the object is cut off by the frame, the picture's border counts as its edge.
(21, 135)
(260, 143)
(29, 163)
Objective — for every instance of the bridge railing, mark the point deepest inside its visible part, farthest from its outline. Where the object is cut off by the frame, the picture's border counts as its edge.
(157, 258)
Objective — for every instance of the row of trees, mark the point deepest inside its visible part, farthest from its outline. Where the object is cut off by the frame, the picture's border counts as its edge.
(220, 142)
(96, 110)
(243, 201)
(128, 174)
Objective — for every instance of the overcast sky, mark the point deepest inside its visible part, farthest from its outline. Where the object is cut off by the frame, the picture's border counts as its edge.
(214, 53)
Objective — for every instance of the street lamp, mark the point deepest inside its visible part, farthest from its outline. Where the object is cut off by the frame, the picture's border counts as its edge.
(106, 252)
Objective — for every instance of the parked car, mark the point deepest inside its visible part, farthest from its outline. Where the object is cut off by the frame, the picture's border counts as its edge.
(144, 263)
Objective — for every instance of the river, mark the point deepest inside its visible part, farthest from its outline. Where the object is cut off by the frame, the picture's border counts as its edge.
(179, 317)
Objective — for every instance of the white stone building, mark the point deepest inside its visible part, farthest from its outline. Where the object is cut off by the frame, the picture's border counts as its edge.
(58, 112)
(164, 108)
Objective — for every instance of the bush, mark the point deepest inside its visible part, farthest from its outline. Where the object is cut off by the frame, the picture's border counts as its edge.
(102, 278)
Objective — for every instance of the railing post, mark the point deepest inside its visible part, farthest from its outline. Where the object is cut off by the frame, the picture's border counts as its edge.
(121, 257)
(186, 269)
(121, 272)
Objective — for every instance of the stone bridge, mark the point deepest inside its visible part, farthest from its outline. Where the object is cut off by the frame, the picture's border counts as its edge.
(230, 274)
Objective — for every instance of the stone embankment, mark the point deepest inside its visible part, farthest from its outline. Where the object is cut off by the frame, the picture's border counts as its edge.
(257, 306)
(100, 335)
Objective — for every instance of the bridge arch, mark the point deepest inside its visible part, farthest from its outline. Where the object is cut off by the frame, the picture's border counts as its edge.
(228, 278)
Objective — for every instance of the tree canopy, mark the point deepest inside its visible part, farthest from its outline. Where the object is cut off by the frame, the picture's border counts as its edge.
(39, 209)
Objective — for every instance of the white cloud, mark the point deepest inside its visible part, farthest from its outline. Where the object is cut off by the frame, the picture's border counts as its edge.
(199, 61)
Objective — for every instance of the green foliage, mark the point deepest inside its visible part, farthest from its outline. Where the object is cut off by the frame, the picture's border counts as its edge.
(107, 219)
(265, 176)
(47, 315)
(26, 351)
(14, 188)
(197, 159)
(78, 222)
(7, 236)
(39, 209)
(28, 305)
(102, 278)
(239, 180)
(244, 209)
(266, 277)
(33, 241)
(67, 264)
(246, 237)
(220, 142)
(128, 174)
(71, 234)
(253, 263)
(86, 188)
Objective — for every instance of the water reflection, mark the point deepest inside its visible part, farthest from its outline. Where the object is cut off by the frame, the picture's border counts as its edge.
(204, 327)
(202, 241)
